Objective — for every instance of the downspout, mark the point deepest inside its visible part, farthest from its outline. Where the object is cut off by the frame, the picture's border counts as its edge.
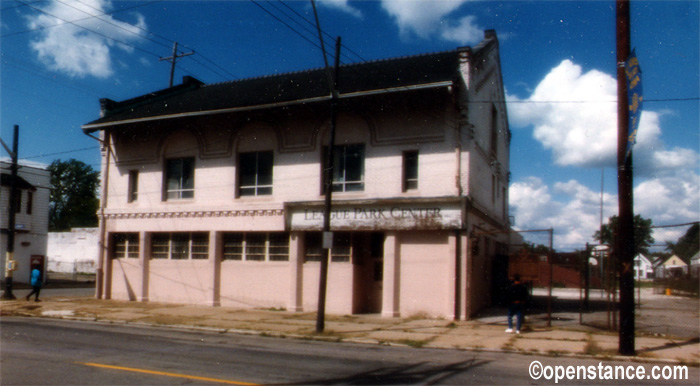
(458, 232)
(460, 96)
(106, 159)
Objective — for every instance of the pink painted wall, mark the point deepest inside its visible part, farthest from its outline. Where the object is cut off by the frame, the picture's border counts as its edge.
(180, 281)
(339, 292)
(252, 284)
(424, 269)
(126, 279)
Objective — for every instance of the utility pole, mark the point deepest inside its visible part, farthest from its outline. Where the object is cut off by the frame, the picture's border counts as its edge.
(327, 234)
(172, 59)
(10, 263)
(625, 233)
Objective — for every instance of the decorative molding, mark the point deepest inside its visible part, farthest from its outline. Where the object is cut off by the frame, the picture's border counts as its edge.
(195, 214)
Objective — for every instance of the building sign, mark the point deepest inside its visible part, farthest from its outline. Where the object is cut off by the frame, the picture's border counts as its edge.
(403, 216)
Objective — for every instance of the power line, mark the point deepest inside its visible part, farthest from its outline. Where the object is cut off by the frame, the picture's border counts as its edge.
(168, 40)
(143, 36)
(98, 17)
(285, 23)
(23, 4)
(675, 225)
(62, 152)
(88, 29)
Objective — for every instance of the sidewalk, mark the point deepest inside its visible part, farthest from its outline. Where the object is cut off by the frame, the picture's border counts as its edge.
(484, 334)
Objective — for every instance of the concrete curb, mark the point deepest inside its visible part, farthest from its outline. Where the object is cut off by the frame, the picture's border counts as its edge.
(354, 340)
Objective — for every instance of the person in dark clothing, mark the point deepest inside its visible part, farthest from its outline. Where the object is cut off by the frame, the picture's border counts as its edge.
(36, 283)
(516, 297)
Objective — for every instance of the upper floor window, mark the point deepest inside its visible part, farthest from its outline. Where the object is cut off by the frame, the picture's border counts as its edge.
(30, 202)
(18, 201)
(348, 168)
(179, 178)
(410, 170)
(255, 173)
(133, 194)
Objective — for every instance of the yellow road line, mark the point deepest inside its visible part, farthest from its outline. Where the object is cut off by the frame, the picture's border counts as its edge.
(163, 373)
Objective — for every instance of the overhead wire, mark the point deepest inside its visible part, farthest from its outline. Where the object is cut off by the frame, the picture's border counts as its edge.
(89, 30)
(308, 30)
(99, 17)
(168, 40)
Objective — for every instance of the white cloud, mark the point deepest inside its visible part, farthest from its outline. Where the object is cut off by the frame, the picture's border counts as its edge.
(573, 210)
(574, 215)
(343, 6)
(574, 114)
(466, 31)
(669, 200)
(65, 44)
(530, 203)
(432, 18)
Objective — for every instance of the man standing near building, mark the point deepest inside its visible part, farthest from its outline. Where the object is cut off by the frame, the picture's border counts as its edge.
(516, 297)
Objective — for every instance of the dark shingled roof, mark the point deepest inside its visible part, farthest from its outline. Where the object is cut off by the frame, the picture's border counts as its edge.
(193, 96)
(6, 180)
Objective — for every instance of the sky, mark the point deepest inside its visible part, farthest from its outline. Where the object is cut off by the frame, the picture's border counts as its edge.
(59, 57)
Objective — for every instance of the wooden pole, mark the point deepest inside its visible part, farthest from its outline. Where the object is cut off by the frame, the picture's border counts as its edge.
(10, 263)
(625, 240)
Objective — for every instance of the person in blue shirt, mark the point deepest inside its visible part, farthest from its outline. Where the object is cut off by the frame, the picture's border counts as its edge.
(36, 283)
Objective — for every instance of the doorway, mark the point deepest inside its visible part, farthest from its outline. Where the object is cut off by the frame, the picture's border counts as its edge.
(368, 272)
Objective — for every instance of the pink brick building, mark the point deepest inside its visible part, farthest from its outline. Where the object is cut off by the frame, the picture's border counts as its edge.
(213, 194)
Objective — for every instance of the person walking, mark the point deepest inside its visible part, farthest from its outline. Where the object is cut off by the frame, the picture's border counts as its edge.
(36, 283)
(517, 297)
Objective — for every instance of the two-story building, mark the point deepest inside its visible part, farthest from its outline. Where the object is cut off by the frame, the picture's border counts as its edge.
(213, 193)
(31, 216)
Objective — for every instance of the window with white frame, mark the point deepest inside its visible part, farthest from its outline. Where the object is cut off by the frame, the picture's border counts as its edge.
(256, 246)
(255, 173)
(180, 245)
(340, 253)
(348, 168)
(179, 178)
(125, 245)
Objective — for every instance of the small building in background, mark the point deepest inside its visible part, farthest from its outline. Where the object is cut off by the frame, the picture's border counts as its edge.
(31, 216)
(674, 266)
(695, 265)
(73, 252)
(643, 268)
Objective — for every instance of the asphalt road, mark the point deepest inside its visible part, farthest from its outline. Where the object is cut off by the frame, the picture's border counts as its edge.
(39, 351)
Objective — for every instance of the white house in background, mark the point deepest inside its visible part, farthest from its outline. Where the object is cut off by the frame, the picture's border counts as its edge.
(695, 265)
(674, 266)
(31, 216)
(643, 268)
(73, 252)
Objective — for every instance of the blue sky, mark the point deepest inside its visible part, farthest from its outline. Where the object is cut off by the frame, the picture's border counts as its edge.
(558, 62)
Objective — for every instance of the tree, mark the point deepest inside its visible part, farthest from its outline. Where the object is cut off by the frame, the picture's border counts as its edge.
(688, 245)
(642, 234)
(73, 198)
